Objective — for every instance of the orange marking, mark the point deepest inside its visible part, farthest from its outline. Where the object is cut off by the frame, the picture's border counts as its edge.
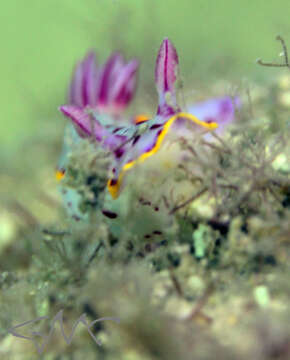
(59, 174)
(141, 118)
(114, 186)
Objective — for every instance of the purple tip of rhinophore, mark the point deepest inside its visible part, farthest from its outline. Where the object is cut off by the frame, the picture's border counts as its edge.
(166, 66)
(123, 90)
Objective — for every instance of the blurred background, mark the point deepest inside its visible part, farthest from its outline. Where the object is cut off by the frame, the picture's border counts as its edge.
(42, 40)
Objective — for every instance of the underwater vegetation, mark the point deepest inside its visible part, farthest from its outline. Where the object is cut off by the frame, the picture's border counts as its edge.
(177, 224)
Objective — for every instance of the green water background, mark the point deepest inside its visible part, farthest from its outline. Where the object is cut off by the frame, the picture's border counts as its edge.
(42, 39)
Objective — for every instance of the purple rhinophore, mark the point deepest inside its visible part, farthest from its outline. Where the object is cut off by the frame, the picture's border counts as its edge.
(165, 77)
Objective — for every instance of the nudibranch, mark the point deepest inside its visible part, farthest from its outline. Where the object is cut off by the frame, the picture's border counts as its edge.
(97, 97)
